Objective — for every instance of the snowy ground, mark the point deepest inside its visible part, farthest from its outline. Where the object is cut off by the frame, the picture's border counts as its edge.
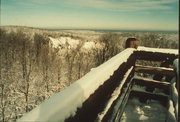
(73, 43)
(136, 111)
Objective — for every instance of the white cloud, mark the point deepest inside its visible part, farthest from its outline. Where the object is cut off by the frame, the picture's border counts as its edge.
(124, 5)
(110, 5)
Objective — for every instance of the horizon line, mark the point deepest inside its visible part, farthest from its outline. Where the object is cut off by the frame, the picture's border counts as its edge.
(95, 29)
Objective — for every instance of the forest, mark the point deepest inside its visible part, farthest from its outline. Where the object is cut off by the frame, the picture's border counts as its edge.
(32, 69)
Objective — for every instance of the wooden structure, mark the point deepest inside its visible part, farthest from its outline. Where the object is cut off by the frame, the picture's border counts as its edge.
(102, 94)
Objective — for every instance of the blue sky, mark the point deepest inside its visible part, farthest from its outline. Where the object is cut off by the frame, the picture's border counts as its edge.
(95, 14)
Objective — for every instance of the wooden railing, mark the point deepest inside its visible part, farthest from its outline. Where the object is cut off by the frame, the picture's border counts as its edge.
(98, 96)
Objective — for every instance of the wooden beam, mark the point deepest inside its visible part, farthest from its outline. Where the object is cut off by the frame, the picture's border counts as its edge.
(155, 70)
(165, 86)
(121, 103)
(154, 56)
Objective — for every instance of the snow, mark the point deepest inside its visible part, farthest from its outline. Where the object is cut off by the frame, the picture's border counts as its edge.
(174, 92)
(138, 88)
(65, 103)
(176, 65)
(89, 45)
(136, 111)
(171, 116)
(174, 96)
(160, 50)
(73, 43)
(64, 40)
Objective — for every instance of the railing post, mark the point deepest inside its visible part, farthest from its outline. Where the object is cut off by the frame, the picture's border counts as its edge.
(175, 88)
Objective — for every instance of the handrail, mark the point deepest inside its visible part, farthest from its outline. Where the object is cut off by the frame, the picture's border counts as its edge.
(66, 103)
(158, 50)
(156, 54)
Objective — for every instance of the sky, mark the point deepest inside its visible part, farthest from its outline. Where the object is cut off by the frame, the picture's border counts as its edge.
(92, 14)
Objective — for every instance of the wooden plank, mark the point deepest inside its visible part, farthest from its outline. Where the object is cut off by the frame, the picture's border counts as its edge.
(152, 84)
(122, 107)
(158, 50)
(141, 80)
(121, 103)
(154, 56)
(155, 70)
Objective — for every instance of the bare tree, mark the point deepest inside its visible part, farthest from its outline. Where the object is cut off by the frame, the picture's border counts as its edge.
(5, 75)
(110, 47)
(70, 57)
(26, 55)
(45, 60)
(39, 40)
